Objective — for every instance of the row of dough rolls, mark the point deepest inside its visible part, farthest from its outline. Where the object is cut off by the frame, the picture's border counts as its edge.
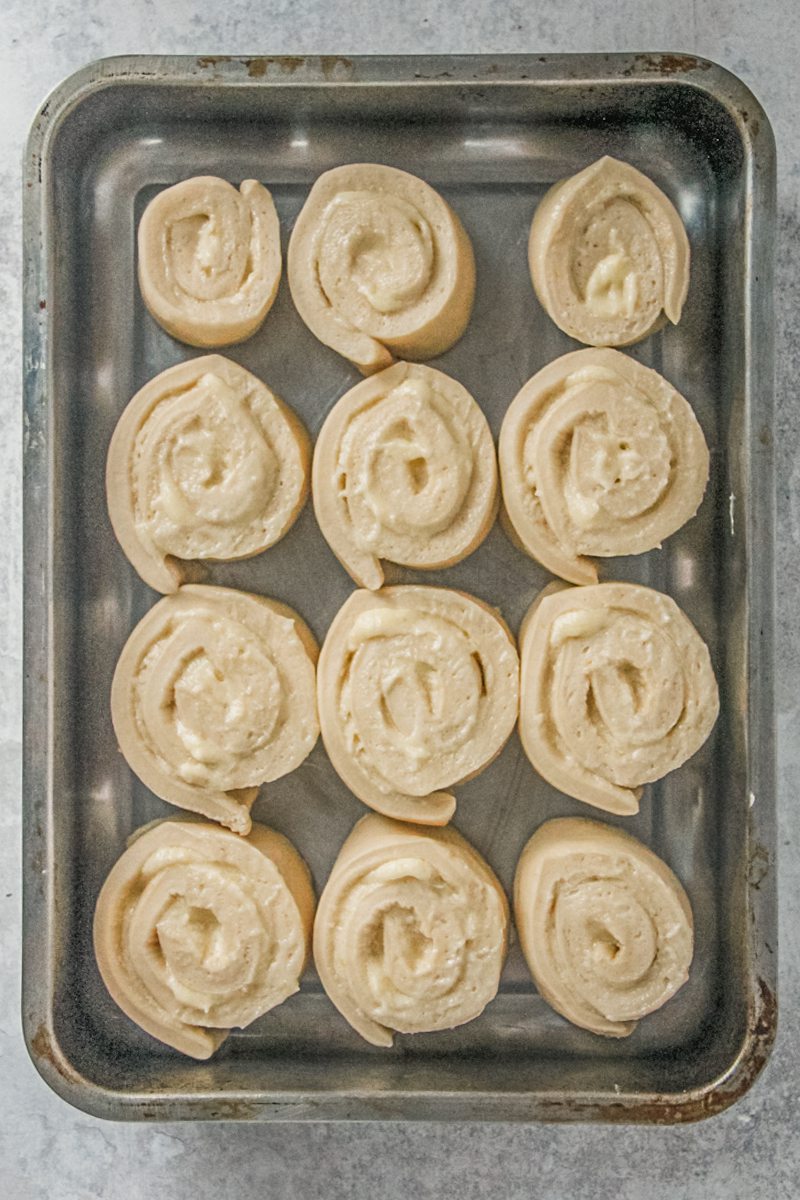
(381, 267)
(617, 686)
(208, 463)
(198, 931)
(598, 456)
(216, 692)
(417, 690)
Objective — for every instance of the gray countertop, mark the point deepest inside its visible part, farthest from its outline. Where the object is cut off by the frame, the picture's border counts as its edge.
(48, 1150)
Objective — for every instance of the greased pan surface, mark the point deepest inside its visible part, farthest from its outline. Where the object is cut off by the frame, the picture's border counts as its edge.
(491, 134)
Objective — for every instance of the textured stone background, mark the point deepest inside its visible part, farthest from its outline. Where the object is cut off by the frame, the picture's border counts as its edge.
(49, 1151)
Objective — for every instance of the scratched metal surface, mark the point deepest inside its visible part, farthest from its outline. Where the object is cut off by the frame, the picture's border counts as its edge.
(491, 135)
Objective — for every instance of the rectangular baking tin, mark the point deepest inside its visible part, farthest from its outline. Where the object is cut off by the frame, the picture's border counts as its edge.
(491, 134)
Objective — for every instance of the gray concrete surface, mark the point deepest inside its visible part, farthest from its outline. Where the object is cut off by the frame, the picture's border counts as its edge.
(50, 1152)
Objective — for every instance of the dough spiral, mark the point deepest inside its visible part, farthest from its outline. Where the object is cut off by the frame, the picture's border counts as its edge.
(617, 690)
(604, 924)
(418, 690)
(214, 695)
(197, 931)
(379, 265)
(206, 462)
(598, 456)
(608, 254)
(411, 930)
(405, 470)
(210, 259)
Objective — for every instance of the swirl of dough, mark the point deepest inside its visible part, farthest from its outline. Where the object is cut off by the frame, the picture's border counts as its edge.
(605, 926)
(205, 463)
(197, 930)
(617, 690)
(598, 455)
(418, 690)
(405, 470)
(213, 695)
(210, 259)
(380, 265)
(608, 255)
(411, 930)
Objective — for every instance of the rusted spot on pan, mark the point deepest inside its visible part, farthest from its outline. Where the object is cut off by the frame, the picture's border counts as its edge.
(209, 61)
(667, 64)
(287, 64)
(46, 1053)
(333, 67)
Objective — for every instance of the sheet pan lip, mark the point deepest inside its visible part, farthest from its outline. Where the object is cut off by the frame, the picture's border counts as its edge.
(285, 70)
(443, 1105)
(758, 143)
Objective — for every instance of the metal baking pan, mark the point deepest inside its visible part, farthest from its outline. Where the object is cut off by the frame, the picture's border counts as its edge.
(491, 134)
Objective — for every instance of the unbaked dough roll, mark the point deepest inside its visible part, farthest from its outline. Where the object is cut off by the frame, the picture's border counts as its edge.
(411, 931)
(604, 924)
(380, 265)
(418, 690)
(598, 456)
(405, 470)
(198, 931)
(617, 690)
(210, 259)
(206, 462)
(213, 695)
(609, 255)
